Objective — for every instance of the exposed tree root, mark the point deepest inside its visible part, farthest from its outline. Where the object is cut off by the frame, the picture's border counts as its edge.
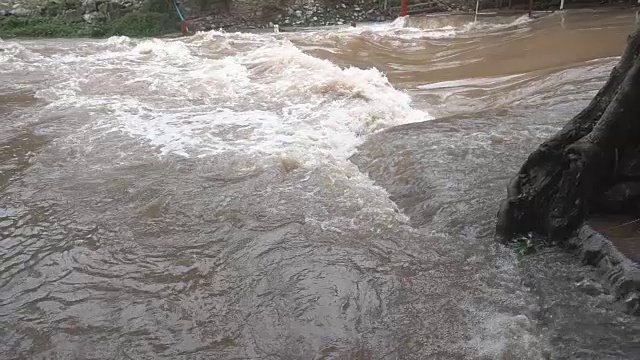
(593, 163)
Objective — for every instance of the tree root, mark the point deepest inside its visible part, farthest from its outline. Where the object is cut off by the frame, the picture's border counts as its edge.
(552, 193)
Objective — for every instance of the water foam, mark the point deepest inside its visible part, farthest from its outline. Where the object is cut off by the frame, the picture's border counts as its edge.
(399, 22)
(439, 28)
(12, 51)
(272, 99)
(197, 96)
(164, 50)
(119, 41)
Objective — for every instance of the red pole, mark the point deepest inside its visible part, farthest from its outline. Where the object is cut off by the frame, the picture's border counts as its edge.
(183, 27)
(403, 7)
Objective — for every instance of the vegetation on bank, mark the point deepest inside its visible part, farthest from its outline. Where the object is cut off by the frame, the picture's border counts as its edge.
(133, 25)
(154, 19)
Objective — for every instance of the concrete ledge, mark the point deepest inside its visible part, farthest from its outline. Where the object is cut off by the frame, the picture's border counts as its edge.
(619, 275)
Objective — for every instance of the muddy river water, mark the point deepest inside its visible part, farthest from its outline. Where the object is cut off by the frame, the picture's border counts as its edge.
(323, 194)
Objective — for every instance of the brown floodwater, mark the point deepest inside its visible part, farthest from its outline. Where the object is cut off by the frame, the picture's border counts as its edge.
(323, 194)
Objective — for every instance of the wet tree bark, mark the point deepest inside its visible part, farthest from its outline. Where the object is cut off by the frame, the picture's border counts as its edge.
(572, 173)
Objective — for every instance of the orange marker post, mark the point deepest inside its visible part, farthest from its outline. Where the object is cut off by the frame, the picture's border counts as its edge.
(403, 7)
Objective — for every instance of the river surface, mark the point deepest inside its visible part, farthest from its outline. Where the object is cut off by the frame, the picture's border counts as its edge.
(324, 194)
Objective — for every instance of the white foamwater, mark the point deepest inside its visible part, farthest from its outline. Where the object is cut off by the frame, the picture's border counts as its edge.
(218, 92)
(12, 52)
(272, 99)
(436, 27)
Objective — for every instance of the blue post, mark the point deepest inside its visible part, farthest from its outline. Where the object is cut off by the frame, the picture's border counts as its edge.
(183, 24)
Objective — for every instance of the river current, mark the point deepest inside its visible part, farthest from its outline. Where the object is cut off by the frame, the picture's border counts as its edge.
(322, 194)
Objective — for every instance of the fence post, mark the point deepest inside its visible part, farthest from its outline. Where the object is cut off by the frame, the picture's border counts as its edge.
(477, 7)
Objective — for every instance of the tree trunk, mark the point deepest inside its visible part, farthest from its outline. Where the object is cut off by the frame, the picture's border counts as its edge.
(553, 192)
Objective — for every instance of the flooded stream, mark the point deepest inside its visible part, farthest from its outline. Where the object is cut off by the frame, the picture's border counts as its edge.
(323, 194)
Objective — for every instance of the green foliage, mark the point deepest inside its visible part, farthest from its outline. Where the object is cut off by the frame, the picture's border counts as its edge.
(158, 6)
(41, 27)
(143, 24)
(525, 247)
(136, 24)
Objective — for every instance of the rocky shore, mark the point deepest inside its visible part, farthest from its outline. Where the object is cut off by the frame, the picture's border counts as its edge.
(240, 14)
(89, 11)
(295, 16)
(312, 13)
(335, 15)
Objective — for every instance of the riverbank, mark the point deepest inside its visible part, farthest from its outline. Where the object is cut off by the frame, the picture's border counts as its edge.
(140, 18)
(88, 18)
(153, 24)
(133, 25)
